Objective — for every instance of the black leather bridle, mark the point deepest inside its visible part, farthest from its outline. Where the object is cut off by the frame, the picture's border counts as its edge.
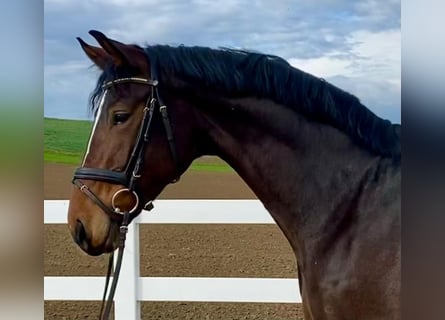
(127, 178)
(130, 176)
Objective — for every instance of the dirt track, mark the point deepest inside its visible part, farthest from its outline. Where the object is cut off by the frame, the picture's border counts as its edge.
(179, 250)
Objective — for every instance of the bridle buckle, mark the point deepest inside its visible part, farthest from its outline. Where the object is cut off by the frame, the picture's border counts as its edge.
(123, 229)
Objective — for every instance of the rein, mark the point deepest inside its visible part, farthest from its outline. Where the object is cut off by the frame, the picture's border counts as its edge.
(128, 178)
(123, 229)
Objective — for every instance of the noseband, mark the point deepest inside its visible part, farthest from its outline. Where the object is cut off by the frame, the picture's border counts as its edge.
(130, 176)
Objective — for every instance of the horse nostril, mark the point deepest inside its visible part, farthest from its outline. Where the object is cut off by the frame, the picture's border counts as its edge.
(80, 233)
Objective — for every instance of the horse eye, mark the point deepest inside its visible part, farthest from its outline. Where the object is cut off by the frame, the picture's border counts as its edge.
(120, 117)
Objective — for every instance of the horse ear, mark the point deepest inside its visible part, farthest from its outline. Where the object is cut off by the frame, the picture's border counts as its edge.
(96, 54)
(111, 47)
(120, 53)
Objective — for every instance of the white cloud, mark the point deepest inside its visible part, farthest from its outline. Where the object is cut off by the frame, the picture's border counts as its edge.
(370, 70)
(377, 10)
(67, 88)
(323, 67)
(370, 53)
(64, 69)
(380, 50)
(357, 45)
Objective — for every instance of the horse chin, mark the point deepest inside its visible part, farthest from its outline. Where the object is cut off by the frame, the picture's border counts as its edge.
(112, 241)
(110, 244)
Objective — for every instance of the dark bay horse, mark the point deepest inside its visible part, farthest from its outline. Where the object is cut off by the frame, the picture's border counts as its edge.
(325, 167)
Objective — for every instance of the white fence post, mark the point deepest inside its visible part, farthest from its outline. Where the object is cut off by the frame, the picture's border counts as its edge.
(126, 302)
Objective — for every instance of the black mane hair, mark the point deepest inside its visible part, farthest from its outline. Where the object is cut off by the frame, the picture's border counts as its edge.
(239, 72)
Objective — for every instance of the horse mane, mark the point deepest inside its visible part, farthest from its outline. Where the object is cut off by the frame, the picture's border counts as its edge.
(246, 73)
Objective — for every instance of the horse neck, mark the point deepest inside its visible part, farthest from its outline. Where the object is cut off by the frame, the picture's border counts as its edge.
(300, 170)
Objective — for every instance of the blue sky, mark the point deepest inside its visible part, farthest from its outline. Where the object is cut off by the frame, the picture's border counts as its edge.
(352, 44)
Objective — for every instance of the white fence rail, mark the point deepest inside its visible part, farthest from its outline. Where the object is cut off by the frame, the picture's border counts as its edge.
(132, 288)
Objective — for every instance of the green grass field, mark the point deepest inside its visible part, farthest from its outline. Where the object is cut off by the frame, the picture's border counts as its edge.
(65, 142)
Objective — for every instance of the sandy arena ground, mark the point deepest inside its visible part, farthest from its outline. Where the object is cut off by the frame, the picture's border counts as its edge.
(179, 250)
